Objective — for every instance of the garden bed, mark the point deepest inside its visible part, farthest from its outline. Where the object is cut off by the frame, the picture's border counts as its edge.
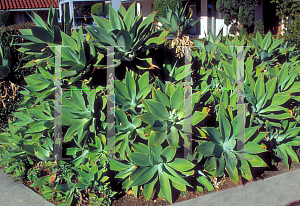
(152, 120)
(226, 183)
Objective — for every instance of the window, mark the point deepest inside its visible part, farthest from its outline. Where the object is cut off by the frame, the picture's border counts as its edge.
(27, 17)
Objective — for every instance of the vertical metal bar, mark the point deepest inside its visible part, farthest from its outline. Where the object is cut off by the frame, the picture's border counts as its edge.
(104, 9)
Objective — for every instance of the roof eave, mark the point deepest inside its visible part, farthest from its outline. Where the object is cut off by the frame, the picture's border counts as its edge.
(40, 9)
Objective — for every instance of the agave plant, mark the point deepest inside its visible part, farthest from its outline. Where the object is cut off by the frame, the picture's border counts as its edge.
(271, 50)
(166, 114)
(129, 94)
(149, 165)
(280, 141)
(42, 34)
(222, 152)
(288, 77)
(26, 144)
(226, 98)
(177, 21)
(82, 119)
(211, 42)
(264, 101)
(40, 85)
(220, 59)
(89, 167)
(77, 53)
(171, 69)
(36, 113)
(78, 56)
(131, 36)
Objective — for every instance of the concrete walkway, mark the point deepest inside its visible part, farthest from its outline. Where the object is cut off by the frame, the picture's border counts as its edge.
(274, 191)
(16, 194)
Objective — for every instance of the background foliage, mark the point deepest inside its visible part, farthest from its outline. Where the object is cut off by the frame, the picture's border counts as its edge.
(5, 18)
(82, 9)
(98, 9)
(239, 14)
(151, 114)
(288, 12)
(11, 86)
(259, 27)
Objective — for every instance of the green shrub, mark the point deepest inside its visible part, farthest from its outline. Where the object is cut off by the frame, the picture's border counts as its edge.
(15, 27)
(83, 9)
(238, 14)
(259, 27)
(97, 9)
(5, 18)
(288, 11)
(12, 84)
(292, 33)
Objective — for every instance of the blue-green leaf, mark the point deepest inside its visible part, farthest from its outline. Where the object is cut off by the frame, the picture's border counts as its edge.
(156, 108)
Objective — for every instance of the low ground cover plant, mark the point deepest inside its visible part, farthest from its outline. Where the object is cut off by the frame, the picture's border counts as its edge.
(155, 121)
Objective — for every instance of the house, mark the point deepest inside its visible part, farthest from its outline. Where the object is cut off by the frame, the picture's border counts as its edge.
(210, 18)
(20, 8)
(72, 6)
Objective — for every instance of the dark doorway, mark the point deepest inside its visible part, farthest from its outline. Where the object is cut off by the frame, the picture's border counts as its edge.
(271, 21)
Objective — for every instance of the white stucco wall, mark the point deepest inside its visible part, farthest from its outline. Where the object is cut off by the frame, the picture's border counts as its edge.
(146, 7)
(116, 4)
(203, 20)
(219, 22)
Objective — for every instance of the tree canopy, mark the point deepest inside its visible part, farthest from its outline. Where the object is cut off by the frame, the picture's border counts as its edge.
(98, 9)
(239, 14)
(289, 13)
